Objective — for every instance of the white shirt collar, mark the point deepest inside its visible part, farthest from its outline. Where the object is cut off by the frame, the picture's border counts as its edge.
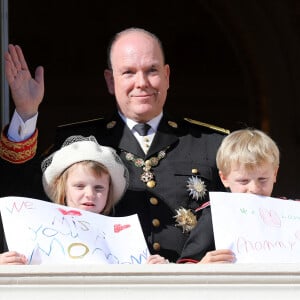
(153, 123)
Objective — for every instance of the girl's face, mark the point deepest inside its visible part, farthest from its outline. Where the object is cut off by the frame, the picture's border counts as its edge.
(85, 190)
(259, 181)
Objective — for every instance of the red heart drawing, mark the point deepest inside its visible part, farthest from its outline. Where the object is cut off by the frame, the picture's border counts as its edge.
(119, 227)
(70, 212)
(270, 217)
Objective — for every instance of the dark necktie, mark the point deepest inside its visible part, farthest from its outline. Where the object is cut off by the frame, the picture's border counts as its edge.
(142, 128)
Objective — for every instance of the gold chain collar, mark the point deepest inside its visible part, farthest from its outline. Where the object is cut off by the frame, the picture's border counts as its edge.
(148, 175)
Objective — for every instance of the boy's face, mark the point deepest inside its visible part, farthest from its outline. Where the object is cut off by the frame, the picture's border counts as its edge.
(259, 180)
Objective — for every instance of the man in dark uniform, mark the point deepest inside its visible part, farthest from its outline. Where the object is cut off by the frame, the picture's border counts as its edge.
(181, 151)
(171, 162)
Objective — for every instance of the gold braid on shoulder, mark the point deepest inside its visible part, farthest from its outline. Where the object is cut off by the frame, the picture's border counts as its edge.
(214, 127)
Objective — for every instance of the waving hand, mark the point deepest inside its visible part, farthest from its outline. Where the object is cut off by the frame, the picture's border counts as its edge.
(27, 92)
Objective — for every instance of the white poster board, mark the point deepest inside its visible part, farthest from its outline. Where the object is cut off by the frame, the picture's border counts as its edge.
(51, 233)
(256, 228)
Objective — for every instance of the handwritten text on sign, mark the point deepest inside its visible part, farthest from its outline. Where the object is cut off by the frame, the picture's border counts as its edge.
(256, 228)
(51, 233)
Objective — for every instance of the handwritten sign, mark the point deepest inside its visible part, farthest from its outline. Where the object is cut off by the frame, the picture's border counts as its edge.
(256, 228)
(51, 233)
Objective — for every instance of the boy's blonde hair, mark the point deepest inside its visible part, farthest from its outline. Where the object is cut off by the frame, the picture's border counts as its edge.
(248, 147)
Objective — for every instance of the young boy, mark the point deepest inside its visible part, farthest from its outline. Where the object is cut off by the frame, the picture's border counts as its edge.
(248, 162)
(85, 175)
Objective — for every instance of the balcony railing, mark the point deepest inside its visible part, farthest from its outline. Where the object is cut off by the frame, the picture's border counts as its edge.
(169, 282)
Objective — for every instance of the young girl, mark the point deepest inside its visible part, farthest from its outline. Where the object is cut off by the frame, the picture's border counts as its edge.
(85, 175)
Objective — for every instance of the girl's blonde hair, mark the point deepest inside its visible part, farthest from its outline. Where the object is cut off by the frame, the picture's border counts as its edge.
(249, 147)
(59, 185)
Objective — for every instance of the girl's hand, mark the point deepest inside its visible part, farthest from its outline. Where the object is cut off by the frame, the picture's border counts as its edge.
(12, 258)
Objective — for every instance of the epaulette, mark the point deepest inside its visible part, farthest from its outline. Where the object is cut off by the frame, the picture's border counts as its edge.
(80, 122)
(217, 128)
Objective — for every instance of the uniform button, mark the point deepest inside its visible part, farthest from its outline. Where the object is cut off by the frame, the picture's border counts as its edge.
(194, 171)
(156, 246)
(151, 184)
(155, 222)
(153, 201)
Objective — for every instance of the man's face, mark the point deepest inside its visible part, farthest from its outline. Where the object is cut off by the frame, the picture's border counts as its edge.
(139, 79)
(259, 180)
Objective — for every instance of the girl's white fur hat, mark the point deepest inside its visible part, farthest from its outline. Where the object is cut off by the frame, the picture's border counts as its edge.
(79, 148)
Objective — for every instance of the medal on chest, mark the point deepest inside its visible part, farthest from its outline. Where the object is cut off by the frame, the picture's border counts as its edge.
(148, 174)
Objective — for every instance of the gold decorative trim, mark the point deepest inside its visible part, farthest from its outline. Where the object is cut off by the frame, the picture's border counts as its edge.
(217, 128)
(111, 124)
(148, 175)
(18, 152)
(80, 122)
(172, 124)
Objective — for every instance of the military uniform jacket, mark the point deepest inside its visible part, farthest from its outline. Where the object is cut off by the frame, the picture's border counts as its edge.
(201, 239)
(190, 151)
